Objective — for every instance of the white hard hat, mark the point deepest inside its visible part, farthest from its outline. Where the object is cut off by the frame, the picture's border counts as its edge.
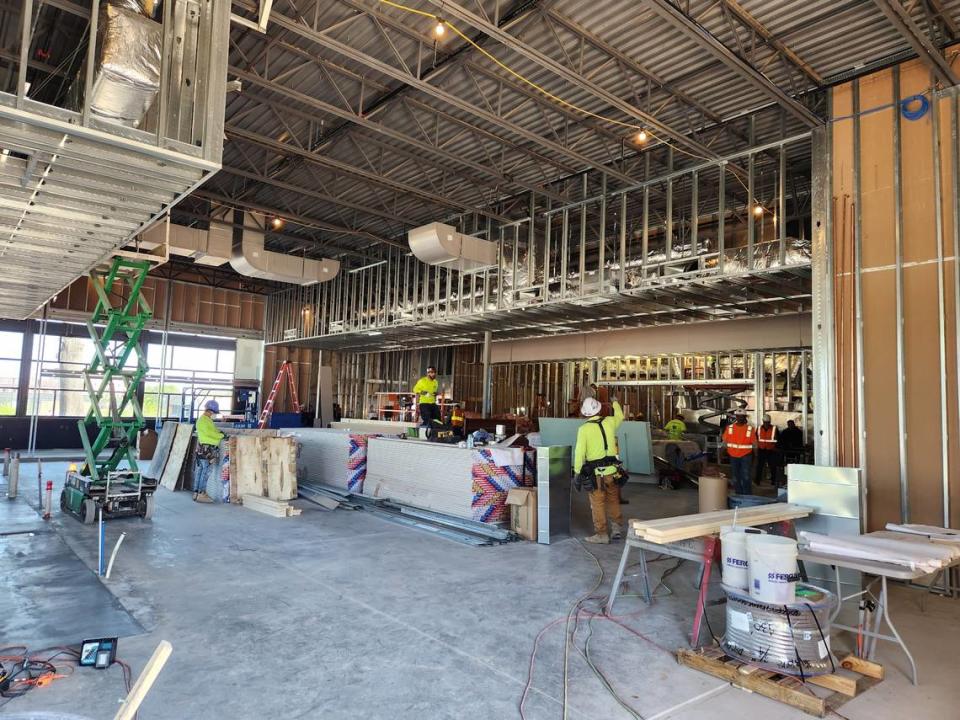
(590, 407)
(766, 417)
(740, 412)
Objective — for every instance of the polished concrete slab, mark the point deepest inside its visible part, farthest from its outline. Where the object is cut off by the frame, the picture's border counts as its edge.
(342, 615)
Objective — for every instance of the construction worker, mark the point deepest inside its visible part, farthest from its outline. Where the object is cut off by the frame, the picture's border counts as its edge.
(791, 444)
(426, 395)
(768, 452)
(676, 428)
(739, 438)
(595, 457)
(208, 450)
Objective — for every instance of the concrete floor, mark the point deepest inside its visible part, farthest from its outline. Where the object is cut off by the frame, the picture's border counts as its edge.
(343, 615)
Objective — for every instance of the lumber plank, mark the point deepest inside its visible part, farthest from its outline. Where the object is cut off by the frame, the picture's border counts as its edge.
(864, 667)
(762, 686)
(844, 684)
(685, 527)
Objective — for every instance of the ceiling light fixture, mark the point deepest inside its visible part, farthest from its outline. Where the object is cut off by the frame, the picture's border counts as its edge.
(439, 28)
(642, 136)
(758, 210)
(278, 223)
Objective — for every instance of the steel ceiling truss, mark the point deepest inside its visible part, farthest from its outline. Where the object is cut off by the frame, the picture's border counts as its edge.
(341, 151)
(921, 43)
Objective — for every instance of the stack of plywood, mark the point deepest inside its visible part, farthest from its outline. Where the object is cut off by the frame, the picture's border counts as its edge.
(684, 527)
(263, 466)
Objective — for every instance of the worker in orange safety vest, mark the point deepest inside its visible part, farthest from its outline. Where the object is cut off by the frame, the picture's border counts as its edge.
(739, 438)
(768, 452)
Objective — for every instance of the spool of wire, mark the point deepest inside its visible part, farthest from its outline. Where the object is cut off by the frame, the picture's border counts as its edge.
(792, 639)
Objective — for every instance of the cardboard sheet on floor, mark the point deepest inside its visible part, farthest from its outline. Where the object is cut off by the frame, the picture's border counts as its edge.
(49, 597)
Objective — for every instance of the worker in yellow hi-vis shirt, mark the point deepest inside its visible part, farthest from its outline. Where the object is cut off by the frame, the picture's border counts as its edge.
(597, 465)
(208, 450)
(426, 392)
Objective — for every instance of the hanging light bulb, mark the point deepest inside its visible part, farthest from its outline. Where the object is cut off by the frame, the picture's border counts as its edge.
(642, 136)
(439, 29)
(758, 210)
(278, 223)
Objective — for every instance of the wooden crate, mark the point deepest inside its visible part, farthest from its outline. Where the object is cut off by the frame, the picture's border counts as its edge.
(854, 677)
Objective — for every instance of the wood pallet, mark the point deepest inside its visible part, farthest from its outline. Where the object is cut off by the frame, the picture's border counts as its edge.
(270, 507)
(857, 675)
(684, 527)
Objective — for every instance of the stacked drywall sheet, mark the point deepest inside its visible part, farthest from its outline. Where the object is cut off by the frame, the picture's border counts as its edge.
(633, 439)
(373, 427)
(470, 483)
(332, 457)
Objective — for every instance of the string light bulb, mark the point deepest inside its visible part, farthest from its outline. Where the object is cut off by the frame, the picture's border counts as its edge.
(758, 210)
(439, 28)
(278, 223)
(642, 136)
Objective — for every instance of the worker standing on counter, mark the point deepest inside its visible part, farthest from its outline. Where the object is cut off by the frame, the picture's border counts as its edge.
(426, 392)
(598, 468)
(208, 450)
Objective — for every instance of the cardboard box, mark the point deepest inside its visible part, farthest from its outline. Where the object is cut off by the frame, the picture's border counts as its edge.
(523, 512)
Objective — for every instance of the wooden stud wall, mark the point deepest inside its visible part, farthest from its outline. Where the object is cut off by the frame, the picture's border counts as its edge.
(865, 114)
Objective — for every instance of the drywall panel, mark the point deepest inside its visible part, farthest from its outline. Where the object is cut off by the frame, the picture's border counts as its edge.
(772, 332)
(921, 343)
(880, 396)
(876, 170)
(953, 409)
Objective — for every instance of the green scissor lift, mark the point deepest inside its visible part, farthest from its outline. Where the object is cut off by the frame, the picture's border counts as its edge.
(113, 484)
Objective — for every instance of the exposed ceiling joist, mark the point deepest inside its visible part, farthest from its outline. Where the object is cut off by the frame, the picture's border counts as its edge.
(582, 161)
(703, 37)
(921, 44)
(643, 118)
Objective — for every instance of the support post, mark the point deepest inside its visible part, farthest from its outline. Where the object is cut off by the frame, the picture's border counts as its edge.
(487, 374)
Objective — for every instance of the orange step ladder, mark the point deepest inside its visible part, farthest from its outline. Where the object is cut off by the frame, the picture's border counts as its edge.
(285, 369)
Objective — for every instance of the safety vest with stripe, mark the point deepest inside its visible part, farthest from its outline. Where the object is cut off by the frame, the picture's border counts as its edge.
(739, 439)
(767, 437)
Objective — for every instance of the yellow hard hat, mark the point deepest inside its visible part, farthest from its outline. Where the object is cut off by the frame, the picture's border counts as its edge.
(73, 467)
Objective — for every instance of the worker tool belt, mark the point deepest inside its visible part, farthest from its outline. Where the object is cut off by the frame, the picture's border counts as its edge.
(587, 477)
(210, 453)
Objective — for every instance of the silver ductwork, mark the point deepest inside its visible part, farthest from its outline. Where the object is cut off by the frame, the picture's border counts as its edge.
(250, 258)
(439, 244)
(127, 75)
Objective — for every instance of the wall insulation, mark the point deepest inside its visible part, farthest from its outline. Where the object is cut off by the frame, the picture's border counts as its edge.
(895, 279)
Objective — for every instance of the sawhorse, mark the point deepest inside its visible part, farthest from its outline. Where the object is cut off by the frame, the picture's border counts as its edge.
(702, 550)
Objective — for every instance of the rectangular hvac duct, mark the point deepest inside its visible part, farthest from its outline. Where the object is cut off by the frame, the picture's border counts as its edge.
(439, 244)
(252, 259)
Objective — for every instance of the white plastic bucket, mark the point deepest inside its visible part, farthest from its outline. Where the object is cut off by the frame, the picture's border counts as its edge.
(772, 568)
(733, 547)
